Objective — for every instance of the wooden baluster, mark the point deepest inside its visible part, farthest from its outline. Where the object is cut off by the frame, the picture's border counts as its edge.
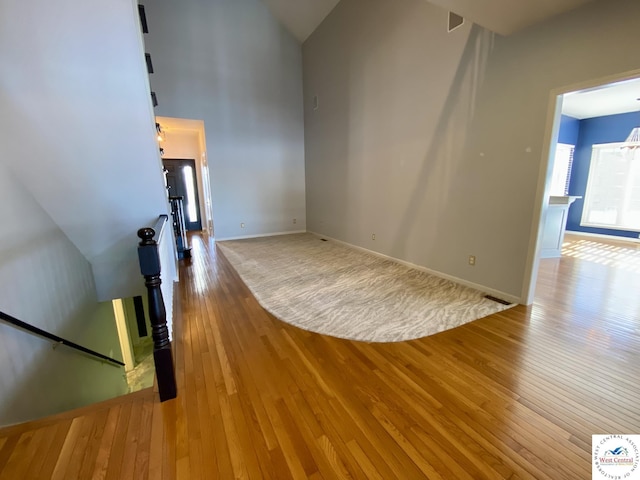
(150, 268)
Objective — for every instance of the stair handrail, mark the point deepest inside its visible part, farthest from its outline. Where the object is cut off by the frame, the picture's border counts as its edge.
(55, 338)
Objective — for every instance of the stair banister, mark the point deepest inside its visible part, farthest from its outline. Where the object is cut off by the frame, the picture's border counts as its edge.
(150, 268)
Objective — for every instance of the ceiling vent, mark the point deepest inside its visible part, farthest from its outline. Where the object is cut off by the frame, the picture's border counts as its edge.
(455, 21)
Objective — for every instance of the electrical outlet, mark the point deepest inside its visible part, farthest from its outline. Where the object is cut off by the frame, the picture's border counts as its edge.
(472, 260)
(373, 236)
(242, 225)
(294, 221)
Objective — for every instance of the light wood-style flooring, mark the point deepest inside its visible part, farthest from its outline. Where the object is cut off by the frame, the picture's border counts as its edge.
(515, 395)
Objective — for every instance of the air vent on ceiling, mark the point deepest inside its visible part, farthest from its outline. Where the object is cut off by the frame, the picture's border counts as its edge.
(455, 21)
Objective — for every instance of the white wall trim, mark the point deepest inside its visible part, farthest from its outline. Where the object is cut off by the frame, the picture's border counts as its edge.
(274, 234)
(123, 334)
(617, 238)
(466, 283)
(541, 205)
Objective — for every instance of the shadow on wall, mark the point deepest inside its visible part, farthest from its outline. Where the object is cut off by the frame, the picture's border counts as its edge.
(58, 378)
(47, 282)
(326, 163)
(448, 143)
(116, 270)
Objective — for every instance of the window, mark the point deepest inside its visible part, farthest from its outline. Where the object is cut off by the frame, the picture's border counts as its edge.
(190, 187)
(562, 170)
(612, 199)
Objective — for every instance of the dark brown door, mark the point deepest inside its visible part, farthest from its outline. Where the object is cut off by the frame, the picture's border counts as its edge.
(181, 179)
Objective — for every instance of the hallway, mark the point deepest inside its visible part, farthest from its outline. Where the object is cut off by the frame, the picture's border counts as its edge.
(514, 395)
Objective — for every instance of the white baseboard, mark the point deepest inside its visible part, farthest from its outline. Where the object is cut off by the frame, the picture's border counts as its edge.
(243, 237)
(466, 283)
(617, 238)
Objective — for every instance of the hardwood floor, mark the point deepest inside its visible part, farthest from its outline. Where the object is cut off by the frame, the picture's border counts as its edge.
(515, 395)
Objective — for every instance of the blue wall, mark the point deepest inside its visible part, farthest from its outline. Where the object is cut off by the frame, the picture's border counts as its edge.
(592, 131)
(569, 130)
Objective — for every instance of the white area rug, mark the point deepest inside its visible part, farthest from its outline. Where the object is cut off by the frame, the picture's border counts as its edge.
(329, 288)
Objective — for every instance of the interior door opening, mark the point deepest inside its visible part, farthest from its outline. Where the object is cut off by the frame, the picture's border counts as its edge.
(587, 105)
(184, 139)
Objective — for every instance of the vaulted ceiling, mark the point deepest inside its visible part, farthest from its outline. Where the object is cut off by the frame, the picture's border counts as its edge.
(302, 17)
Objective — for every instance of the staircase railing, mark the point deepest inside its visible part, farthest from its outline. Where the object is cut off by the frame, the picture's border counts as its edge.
(58, 340)
(150, 269)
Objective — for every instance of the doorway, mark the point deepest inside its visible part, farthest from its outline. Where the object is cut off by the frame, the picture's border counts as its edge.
(181, 181)
(185, 139)
(596, 98)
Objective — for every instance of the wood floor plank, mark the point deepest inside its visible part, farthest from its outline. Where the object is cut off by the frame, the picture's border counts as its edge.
(68, 448)
(31, 460)
(106, 442)
(144, 441)
(515, 395)
(92, 446)
(158, 440)
(25, 448)
(6, 450)
(52, 453)
(132, 440)
(119, 445)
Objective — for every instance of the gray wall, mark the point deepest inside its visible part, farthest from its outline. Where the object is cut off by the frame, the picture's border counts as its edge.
(434, 141)
(77, 127)
(229, 63)
(46, 281)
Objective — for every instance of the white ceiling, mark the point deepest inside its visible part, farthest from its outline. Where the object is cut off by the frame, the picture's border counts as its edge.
(621, 97)
(302, 17)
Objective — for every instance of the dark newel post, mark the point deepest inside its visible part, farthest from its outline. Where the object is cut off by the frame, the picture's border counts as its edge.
(150, 268)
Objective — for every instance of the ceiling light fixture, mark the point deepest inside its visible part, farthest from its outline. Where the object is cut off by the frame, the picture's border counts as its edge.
(160, 137)
(632, 143)
(160, 133)
(634, 136)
